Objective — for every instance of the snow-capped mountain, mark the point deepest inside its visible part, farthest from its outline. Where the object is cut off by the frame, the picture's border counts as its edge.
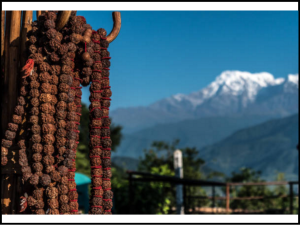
(232, 93)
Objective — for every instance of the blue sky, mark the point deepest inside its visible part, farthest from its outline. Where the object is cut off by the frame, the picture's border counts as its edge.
(158, 54)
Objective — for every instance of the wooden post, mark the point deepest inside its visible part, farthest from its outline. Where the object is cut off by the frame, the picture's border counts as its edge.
(26, 27)
(2, 35)
(227, 197)
(213, 198)
(130, 194)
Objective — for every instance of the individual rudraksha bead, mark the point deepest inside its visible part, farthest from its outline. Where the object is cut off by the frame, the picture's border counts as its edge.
(63, 49)
(55, 176)
(64, 207)
(75, 38)
(22, 144)
(95, 141)
(96, 132)
(61, 105)
(31, 201)
(34, 179)
(26, 176)
(71, 144)
(107, 203)
(106, 93)
(105, 112)
(53, 89)
(54, 44)
(72, 106)
(52, 203)
(51, 33)
(32, 39)
(37, 167)
(96, 151)
(96, 57)
(61, 115)
(48, 109)
(50, 16)
(105, 132)
(39, 204)
(78, 92)
(44, 77)
(71, 95)
(107, 174)
(72, 47)
(54, 80)
(44, 67)
(104, 53)
(96, 181)
(38, 194)
(46, 118)
(96, 123)
(37, 58)
(22, 151)
(48, 149)
(95, 161)
(52, 192)
(71, 185)
(4, 151)
(64, 180)
(95, 36)
(21, 101)
(95, 210)
(32, 49)
(59, 37)
(71, 116)
(63, 170)
(71, 55)
(95, 104)
(97, 47)
(54, 57)
(17, 119)
(106, 163)
(34, 93)
(108, 194)
(34, 84)
(48, 160)
(48, 139)
(106, 153)
(73, 195)
(106, 122)
(36, 138)
(64, 78)
(61, 150)
(62, 189)
(104, 43)
(45, 180)
(46, 88)
(23, 162)
(60, 142)
(61, 132)
(66, 69)
(49, 24)
(97, 113)
(71, 135)
(85, 81)
(34, 119)
(68, 163)
(75, 83)
(71, 125)
(96, 201)
(95, 86)
(38, 148)
(35, 102)
(48, 129)
(71, 154)
(106, 143)
(61, 124)
(19, 110)
(97, 171)
(63, 199)
(55, 69)
(73, 206)
(102, 32)
(105, 73)
(95, 96)
(23, 91)
(89, 62)
(36, 157)
(106, 184)
(10, 135)
(71, 175)
(49, 169)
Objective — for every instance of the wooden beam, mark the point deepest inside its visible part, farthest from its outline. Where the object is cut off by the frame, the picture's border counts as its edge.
(2, 35)
(227, 198)
(26, 27)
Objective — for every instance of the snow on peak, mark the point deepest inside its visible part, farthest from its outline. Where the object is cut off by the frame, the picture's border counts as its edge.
(234, 83)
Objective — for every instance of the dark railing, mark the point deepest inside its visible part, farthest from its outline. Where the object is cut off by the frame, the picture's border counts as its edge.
(190, 202)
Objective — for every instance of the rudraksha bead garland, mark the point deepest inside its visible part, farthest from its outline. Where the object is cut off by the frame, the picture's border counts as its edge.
(58, 63)
(101, 199)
